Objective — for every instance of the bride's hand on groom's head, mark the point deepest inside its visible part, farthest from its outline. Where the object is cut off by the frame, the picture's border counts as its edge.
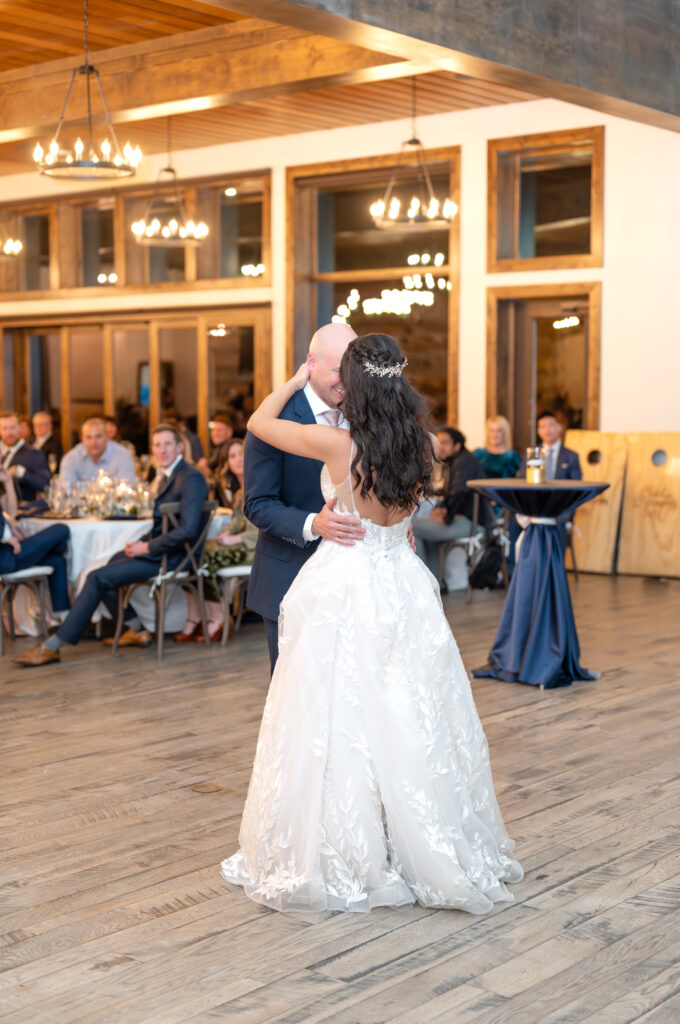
(340, 529)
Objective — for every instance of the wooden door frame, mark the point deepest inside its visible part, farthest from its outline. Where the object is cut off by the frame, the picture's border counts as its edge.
(592, 290)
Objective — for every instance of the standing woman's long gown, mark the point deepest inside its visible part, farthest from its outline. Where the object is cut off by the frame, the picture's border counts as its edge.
(371, 784)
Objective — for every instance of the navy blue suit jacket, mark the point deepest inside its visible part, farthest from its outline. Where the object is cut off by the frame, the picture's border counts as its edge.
(37, 475)
(187, 486)
(568, 465)
(280, 492)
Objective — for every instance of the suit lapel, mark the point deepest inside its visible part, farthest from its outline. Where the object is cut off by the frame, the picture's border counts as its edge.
(302, 410)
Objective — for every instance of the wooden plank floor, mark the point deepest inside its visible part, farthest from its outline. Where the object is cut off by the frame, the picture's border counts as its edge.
(122, 786)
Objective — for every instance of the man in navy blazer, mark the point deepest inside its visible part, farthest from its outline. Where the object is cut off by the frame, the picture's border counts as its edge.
(47, 547)
(283, 496)
(561, 464)
(142, 558)
(27, 466)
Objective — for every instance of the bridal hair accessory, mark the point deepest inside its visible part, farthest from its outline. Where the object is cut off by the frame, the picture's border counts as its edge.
(393, 370)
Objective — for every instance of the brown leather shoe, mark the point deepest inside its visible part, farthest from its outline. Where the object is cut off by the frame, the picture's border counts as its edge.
(129, 638)
(39, 655)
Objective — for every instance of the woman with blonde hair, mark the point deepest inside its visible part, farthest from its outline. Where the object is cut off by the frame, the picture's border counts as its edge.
(498, 458)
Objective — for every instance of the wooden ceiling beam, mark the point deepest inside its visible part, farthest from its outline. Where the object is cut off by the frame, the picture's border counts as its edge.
(439, 26)
(214, 67)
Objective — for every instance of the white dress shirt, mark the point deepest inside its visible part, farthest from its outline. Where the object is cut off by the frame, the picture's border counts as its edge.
(318, 407)
(9, 453)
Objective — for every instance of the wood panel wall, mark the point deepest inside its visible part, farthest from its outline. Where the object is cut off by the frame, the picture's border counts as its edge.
(650, 539)
(603, 458)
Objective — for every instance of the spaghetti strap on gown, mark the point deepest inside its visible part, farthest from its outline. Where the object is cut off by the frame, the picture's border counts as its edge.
(371, 784)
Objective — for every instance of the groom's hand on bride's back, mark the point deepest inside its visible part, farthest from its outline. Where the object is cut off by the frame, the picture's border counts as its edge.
(332, 526)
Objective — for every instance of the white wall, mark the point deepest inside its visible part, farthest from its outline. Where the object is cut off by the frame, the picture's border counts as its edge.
(640, 335)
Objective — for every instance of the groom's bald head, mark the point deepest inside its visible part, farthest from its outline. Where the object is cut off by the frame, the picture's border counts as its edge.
(326, 350)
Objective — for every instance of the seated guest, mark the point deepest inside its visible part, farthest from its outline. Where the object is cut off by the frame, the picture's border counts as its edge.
(234, 546)
(141, 559)
(451, 518)
(221, 432)
(194, 440)
(46, 440)
(228, 482)
(498, 459)
(561, 464)
(96, 452)
(8, 495)
(28, 467)
(25, 429)
(111, 427)
(47, 547)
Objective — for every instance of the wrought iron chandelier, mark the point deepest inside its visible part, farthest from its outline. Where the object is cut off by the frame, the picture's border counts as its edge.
(165, 222)
(424, 206)
(83, 162)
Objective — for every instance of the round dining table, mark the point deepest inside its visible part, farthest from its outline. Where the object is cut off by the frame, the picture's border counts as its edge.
(92, 543)
(536, 641)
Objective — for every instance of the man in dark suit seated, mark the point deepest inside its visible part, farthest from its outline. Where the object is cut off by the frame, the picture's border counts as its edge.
(46, 441)
(141, 559)
(561, 464)
(451, 518)
(27, 466)
(48, 547)
(283, 496)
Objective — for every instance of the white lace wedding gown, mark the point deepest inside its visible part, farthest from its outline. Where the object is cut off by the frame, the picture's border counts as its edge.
(371, 784)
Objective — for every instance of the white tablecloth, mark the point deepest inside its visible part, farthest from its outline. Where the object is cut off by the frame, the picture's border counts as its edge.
(93, 542)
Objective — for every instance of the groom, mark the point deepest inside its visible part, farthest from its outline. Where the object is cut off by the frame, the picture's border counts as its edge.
(283, 492)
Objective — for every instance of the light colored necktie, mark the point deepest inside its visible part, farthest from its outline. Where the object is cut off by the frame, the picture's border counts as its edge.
(552, 459)
(331, 416)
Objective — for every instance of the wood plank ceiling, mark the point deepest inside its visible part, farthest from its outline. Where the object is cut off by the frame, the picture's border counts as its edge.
(211, 69)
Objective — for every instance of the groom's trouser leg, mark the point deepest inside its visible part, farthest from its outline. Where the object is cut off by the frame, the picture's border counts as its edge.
(271, 628)
(102, 585)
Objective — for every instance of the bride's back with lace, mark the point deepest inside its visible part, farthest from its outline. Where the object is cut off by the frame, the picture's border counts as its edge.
(351, 503)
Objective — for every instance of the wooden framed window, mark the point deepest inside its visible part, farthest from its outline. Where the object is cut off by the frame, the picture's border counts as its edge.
(545, 201)
(402, 282)
(85, 241)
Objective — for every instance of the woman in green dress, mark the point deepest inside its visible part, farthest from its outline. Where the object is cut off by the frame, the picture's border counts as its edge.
(498, 458)
(233, 546)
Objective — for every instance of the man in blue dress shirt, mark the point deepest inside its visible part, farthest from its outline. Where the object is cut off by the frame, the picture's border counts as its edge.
(96, 452)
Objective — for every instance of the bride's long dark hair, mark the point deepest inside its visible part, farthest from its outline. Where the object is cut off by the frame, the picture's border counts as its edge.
(388, 420)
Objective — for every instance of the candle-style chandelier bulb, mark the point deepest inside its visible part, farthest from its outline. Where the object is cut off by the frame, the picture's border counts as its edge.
(86, 162)
(423, 207)
(165, 222)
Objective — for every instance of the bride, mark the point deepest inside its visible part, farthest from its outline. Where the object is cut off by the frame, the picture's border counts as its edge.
(371, 784)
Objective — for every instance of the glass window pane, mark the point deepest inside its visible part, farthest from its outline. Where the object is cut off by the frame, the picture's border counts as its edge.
(165, 264)
(96, 230)
(87, 380)
(231, 361)
(178, 373)
(349, 240)
(544, 203)
(414, 310)
(233, 214)
(35, 258)
(131, 384)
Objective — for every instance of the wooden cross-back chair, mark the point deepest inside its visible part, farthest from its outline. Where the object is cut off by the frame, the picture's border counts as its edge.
(187, 574)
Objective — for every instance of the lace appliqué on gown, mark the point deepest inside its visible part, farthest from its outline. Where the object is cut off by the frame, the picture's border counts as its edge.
(371, 784)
